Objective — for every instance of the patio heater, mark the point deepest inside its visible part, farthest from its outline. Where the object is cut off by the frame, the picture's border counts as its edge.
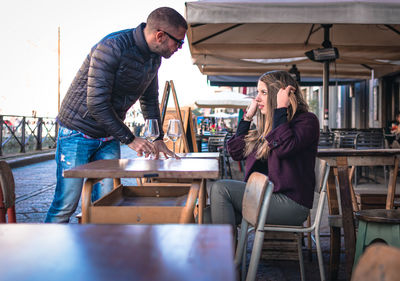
(295, 73)
(325, 55)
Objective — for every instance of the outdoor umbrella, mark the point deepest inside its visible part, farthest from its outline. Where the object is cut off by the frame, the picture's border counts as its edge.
(224, 100)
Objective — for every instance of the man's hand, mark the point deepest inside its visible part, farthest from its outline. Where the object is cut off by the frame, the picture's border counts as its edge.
(161, 147)
(142, 146)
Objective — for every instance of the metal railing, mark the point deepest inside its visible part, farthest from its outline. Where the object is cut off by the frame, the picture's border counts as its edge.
(21, 134)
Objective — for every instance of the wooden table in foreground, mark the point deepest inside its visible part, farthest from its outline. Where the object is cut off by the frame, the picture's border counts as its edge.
(116, 252)
(195, 169)
(340, 159)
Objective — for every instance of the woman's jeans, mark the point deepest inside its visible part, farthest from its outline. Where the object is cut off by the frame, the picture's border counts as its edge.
(73, 149)
(226, 198)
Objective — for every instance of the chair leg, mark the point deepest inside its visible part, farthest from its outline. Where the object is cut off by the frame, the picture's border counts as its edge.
(228, 163)
(309, 239)
(244, 266)
(3, 215)
(241, 243)
(255, 255)
(319, 256)
(11, 215)
(300, 252)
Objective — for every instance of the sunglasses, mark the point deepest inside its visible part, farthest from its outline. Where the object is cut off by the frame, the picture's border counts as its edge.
(179, 42)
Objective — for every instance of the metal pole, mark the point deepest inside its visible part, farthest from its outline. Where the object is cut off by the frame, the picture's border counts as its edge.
(325, 82)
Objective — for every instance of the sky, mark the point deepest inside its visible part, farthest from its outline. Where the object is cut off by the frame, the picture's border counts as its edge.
(29, 42)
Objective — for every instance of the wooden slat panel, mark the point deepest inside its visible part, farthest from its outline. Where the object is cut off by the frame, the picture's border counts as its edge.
(135, 215)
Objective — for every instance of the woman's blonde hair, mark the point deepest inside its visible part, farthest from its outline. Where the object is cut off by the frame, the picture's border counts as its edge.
(275, 80)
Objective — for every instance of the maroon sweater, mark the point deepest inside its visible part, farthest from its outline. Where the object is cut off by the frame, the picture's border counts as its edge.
(291, 160)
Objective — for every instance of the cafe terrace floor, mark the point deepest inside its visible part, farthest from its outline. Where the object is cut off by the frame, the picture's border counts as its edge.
(35, 186)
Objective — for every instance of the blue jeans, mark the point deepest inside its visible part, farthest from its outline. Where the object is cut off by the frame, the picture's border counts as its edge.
(73, 150)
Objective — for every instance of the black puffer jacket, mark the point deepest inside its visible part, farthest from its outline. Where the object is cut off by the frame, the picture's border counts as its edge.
(119, 70)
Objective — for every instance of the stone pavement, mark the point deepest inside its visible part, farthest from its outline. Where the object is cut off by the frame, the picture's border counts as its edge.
(35, 186)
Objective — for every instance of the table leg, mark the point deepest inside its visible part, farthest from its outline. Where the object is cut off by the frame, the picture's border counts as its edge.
(392, 184)
(347, 214)
(86, 200)
(202, 201)
(3, 210)
(117, 182)
(333, 206)
(187, 212)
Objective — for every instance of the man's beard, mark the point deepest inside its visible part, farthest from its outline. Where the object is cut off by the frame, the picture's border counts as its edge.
(163, 51)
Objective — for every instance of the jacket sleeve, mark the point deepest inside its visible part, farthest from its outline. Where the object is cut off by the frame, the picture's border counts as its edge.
(294, 136)
(150, 106)
(236, 144)
(103, 65)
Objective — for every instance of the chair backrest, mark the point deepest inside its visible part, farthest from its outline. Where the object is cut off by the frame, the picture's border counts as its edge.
(214, 143)
(253, 197)
(326, 140)
(347, 139)
(321, 174)
(321, 178)
(370, 140)
(227, 137)
(7, 184)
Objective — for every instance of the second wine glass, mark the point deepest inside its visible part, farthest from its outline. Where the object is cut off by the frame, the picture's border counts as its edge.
(151, 130)
(174, 131)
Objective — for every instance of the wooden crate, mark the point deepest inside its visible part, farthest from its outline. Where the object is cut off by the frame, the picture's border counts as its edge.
(147, 204)
(280, 246)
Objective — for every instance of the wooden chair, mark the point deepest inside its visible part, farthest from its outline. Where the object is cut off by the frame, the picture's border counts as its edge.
(256, 199)
(7, 194)
(255, 215)
(379, 262)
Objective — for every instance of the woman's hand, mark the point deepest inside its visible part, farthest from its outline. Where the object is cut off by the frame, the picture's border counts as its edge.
(251, 110)
(282, 99)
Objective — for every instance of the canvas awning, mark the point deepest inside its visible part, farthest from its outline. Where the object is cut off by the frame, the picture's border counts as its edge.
(251, 37)
(224, 100)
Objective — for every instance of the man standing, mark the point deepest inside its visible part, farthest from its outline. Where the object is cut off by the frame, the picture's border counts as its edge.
(119, 70)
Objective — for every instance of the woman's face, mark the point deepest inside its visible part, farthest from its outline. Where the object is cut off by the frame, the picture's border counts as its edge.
(261, 98)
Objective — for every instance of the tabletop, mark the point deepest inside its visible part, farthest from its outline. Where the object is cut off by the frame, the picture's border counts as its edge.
(357, 152)
(201, 155)
(187, 168)
(116, 252)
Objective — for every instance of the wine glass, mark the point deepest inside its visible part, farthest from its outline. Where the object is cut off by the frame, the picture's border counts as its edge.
(151, 130)
(174, 131)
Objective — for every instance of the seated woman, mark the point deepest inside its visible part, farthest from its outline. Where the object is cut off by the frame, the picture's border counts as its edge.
(283, 146)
